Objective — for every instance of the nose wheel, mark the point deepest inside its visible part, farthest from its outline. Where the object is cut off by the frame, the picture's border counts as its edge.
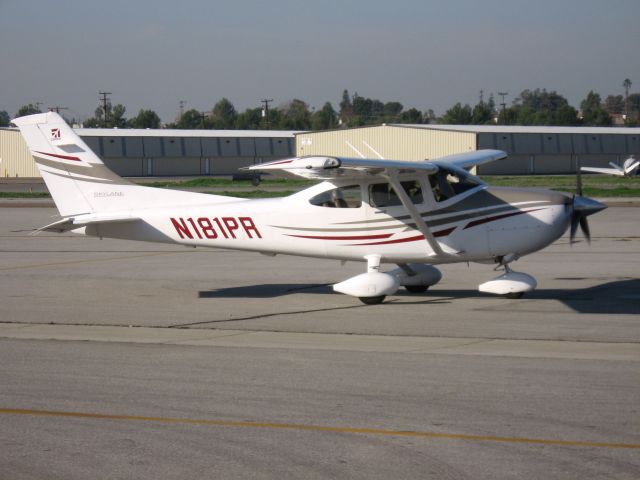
(372, 300)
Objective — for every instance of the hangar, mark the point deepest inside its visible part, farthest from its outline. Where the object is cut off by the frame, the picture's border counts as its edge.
(141, 153)
(532, 150)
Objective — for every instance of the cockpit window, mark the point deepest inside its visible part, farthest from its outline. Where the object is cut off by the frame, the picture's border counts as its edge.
(341, 197)
(449, 183)
(383, 194)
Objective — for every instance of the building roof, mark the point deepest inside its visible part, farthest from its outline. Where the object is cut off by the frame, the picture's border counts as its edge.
(148, 132)
(524, 129)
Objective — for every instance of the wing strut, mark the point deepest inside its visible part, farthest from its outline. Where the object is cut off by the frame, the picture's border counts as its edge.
(415, 215)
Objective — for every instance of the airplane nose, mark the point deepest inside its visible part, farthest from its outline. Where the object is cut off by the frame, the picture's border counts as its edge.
(587, 206)
(582, 208)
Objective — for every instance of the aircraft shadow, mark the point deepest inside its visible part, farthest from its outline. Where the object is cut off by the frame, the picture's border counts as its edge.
(266, 290)
(620, 297)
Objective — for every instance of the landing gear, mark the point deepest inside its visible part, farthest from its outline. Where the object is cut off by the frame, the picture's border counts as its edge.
(510, 284)
(371, 287)
(372, 300)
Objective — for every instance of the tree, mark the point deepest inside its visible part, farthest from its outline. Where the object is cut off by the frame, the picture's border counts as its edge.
(224, 115)
(295, 116)
(346, 109)
(145, 119)
(392, 110)
(4, 119)
(411, 116)
(593, 113)
(482, 114)
(191, 120)
(614, 104)
(29, 109)
(325, 118)
(458, 115)
(250, 119)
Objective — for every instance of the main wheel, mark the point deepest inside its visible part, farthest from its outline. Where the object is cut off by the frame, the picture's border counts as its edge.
(372, 300)
(416, 288)
(514, 295)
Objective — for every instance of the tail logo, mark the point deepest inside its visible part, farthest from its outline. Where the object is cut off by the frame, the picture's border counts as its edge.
(56, 134)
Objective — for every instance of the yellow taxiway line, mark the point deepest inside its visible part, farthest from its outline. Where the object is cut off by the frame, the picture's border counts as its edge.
(316, 428)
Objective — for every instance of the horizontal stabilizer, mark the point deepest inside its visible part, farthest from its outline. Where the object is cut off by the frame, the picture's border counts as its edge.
(73, 223)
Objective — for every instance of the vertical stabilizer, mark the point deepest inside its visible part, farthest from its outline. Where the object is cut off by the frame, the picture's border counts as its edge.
(71, 170)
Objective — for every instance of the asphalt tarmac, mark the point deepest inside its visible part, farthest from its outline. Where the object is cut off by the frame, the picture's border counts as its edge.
(132, 360)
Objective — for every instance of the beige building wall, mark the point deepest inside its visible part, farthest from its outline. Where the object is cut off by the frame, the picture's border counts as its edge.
(15, 158)
(389, 142)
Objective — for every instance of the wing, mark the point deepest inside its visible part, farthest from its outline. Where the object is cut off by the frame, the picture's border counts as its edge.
(472, 159)
(326, 168)
(606, 171)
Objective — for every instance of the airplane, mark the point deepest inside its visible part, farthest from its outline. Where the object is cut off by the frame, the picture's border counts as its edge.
(629, 168)
(412, 214)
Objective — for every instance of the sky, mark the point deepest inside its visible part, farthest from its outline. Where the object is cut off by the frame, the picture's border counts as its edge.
(424, 54)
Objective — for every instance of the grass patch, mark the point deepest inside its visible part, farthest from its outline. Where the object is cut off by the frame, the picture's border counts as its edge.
(24, 195)
(592, 185)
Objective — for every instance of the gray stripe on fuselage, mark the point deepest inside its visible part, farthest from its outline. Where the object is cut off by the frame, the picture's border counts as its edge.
(98, 171)
(491, 200)
(81, 179)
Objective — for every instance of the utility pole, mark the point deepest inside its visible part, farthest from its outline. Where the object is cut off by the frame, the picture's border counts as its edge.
(203, 116)
(38, 105)
(626, 84)
(182, 104)
(481, 97)
(265, 110)
(504, 106)
(105, 102)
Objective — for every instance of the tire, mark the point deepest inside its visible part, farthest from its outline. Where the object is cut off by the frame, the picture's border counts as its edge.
(416, 288)
(514, 295)
(372, 300)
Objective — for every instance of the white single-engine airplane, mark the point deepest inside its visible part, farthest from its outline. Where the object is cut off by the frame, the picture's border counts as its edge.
(412, 214)
(629, 168)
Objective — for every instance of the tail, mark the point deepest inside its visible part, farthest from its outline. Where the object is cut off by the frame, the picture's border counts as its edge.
(75, 176)
(80, 183)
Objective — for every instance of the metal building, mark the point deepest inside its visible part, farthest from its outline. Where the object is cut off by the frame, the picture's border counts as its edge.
(140, 153)
(532, 150)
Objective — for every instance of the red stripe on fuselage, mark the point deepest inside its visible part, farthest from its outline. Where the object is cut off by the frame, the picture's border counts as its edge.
(440, 233)
(351, 237)
(64, 157)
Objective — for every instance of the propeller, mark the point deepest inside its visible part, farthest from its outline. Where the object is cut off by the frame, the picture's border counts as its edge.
(582, 207)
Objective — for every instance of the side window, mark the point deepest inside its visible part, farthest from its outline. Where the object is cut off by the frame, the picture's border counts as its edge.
(383, 194)
(341, 197)
(446, 184)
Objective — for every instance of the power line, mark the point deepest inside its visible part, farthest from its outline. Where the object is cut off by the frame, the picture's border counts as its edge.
(57, 109)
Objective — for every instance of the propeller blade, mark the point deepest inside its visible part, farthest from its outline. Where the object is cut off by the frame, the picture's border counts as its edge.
(575, 219)
(584, 226)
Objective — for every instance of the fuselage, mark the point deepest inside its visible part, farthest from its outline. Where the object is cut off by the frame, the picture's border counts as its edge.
(472, 221)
